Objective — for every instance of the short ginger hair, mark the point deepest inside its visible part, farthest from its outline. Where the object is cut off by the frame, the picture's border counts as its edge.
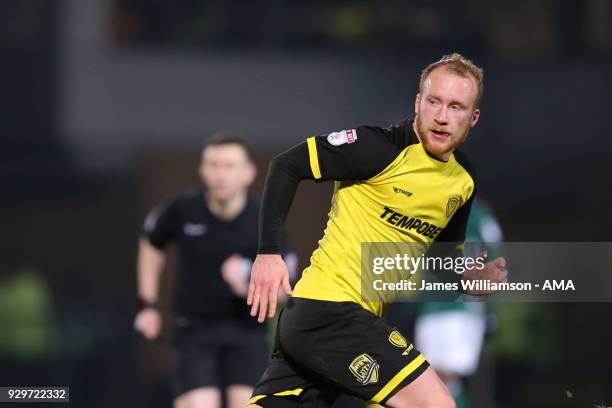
(459, 65)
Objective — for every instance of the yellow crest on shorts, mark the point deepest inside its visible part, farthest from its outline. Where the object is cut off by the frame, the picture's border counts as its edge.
(365, 369)
(397, 339)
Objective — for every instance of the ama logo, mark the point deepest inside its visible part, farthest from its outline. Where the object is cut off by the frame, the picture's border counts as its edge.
(552, 284)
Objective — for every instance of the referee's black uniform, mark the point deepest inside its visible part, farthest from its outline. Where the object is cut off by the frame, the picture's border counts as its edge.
(217, 342)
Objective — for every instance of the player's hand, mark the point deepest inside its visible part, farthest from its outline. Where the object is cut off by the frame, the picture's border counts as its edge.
(268, 274)
(494, 271)
(149, 322)
(234, 273)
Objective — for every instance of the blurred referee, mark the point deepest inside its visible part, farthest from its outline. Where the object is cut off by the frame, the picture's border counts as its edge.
(214, 228)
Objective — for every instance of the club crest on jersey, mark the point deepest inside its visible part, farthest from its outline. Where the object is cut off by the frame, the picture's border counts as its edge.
(342, 137)
(452, 205)
(365, 369)
(397, 339)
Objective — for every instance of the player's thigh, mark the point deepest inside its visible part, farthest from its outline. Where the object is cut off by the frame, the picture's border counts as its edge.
(284, 386)
(208, 397)
(426, 391)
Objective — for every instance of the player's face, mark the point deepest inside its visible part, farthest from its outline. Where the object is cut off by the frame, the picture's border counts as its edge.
(226, 171)
(445, 111)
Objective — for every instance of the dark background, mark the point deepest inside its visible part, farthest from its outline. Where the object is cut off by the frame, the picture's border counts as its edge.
(105, 104)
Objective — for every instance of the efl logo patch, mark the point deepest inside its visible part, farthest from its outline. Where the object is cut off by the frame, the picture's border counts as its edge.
(342, 137)
(397, 339)
(365, 369)
(452, 205)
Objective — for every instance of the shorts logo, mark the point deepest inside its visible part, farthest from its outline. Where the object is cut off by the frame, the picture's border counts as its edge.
(452, 205)
(365, 369)
(342, 137)
(397, 339)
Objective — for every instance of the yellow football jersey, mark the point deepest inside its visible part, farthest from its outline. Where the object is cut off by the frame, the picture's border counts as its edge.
(391, 190)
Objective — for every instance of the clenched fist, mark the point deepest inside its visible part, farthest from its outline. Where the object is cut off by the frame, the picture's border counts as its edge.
(494, 271)
(149, 323)
(235, 271)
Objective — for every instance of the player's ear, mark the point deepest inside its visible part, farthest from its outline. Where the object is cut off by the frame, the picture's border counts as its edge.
(417, 100)
(250, 174)
(201, 164)
(201, 169)
(475, 117)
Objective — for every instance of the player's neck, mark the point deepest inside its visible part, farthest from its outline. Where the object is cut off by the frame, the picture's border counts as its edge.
(227, 210)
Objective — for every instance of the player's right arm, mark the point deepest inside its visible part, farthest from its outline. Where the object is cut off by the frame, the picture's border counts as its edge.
(450, 242)
(159, 229)
(355, 154)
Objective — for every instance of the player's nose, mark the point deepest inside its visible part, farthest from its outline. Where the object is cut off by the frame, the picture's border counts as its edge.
(442, 116)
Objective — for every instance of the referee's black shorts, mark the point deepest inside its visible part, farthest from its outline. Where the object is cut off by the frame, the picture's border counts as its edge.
(217, 355)
(324, 348)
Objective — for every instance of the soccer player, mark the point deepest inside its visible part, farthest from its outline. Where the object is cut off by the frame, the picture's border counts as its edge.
(215, 232)
(405, 183)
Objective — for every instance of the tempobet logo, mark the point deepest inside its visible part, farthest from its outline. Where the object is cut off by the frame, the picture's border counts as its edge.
(410, 223)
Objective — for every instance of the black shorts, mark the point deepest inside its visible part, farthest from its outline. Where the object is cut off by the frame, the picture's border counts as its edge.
(325, 348)
(217, 355)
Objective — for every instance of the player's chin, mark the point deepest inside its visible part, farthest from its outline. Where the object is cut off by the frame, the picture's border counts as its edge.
(221, 193)
(439, 148)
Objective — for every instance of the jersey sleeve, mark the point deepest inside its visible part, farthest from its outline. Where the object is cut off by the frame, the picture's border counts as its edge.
(161, 224)
(356, 154)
